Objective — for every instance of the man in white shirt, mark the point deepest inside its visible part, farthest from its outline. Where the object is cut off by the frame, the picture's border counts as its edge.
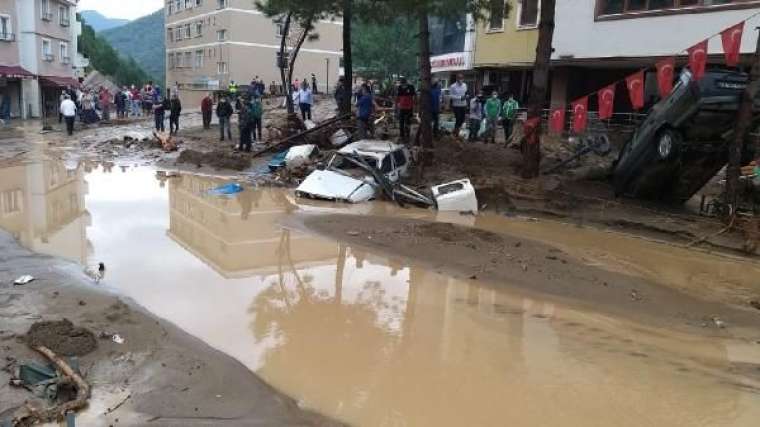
(69, 112)
(458, 93)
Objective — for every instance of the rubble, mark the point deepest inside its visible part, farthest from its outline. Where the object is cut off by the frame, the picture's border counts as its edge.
(218, 159)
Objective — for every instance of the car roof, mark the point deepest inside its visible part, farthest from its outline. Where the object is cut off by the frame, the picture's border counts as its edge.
(372, 147)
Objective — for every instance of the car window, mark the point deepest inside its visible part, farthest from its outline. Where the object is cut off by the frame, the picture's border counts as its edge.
(386, 166)
(399, 158)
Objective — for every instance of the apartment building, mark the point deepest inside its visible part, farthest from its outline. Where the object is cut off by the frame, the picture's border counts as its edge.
(210, 43)
(37, 54)
(452, 44)
(597, 42)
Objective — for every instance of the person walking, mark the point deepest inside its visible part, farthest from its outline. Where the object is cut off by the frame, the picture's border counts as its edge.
(305, 100)
(476, 115)
(256, 118)
(223, 113)
(61, 98)
(159, 112)
(118, 100)
(175, 108)
(508, 114)
(69, 112)
(105, 103)
(365, 105)
(207, 109)
(136, 102)
(492, 113)
(244, 124)
(435, 106)
(405, 103)
(314, 87)
(458, 93)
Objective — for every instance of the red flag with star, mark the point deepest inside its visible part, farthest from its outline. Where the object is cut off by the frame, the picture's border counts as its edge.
(580, 114)
(557, 119)
(635, 84)
(606, 98)
(698, 59)
(665, 72)
(732, 43)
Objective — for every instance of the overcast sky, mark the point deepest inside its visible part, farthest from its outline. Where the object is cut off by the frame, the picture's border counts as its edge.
(126, 9)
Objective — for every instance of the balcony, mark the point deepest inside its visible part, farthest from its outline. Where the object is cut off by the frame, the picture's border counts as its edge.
(65, 21)
(47, 16)
(48, 57)
(7, 37)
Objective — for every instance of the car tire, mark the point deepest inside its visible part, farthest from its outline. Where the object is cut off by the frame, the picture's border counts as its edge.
(668, 142)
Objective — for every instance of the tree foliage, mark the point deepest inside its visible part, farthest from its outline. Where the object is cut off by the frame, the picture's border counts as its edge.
(104, 58)
(142, 39)
(382, 50)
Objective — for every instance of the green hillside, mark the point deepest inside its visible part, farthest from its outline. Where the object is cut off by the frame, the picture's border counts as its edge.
(107, 60)
(143, 40)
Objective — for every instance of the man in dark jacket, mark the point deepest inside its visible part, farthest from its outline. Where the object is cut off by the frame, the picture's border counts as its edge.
(224, 112)
(244, 123)
(175, 108)
(160, 106)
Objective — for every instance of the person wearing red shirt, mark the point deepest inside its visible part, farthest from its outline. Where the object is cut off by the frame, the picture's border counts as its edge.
(405, 103)
(207, 108)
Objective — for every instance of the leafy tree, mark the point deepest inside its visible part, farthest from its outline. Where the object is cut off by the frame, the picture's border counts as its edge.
(384, 50)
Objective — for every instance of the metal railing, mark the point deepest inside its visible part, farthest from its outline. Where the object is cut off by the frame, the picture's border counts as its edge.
(65, 21)
(48, 57)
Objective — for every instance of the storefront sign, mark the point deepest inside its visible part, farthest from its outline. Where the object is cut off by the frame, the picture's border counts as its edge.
(451, 62)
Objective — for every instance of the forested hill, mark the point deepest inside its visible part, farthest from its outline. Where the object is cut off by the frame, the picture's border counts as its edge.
(107, 60)
(143, 40)
(98, 22)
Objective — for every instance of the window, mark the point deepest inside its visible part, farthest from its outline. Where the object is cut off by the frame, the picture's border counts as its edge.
(170, 7)
(188, 4)
(282, 60)
(47, 50)
(221, 4)
(199, 29)
(528, 13)
(178, 5)
(221, 67)
(170, 61)
(11, 202)
(6, 28)
(615, 7)
(64, 17)
(280, 30)
(496, 17)
(178, 33)
(399, 158)
(63, 49)
(198, 59)
(169, 35)
(45, 12)
(198, 3)
(188, 59)
(221, 35)
(188, 33)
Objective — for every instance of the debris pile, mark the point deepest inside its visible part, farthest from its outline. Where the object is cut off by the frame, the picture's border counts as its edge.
(218, 159)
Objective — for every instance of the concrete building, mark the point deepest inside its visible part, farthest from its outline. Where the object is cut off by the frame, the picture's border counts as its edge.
(37, 42)
(452, 44)
(505, 47)
(597, 42)
(210, 43)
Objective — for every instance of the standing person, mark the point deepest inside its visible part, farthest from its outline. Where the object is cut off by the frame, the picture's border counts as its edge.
(273, 89)
(60, 102)
(223, 113)
(262, 86)
(256, 118)
(105, 103)
(244, 124)
(305, 100)
(207, 108)
(508, 114)
(405, 103)
(458, 92)
(118, 100)
(88, 108)
(365, 106)
(314, 87)
(476, 115)
(147, 100)
(69, 112)
(175, 108)
(492, 113)
(136, 102)
(232, 88)
(435, 106)
(159, 112)
(340, 92)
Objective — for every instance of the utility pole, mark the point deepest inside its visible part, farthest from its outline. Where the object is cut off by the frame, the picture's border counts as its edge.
(743, 123)
(327, 76)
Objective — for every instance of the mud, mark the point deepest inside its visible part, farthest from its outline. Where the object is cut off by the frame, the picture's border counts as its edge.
(62, 337)
(217, 159)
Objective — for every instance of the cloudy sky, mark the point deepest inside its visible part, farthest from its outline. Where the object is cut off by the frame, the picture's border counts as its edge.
(127, 9)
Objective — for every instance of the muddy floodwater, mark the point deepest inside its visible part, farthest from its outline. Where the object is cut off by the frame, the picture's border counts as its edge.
(377, 341)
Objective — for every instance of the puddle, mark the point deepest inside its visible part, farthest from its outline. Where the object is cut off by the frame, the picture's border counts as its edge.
(377, 341)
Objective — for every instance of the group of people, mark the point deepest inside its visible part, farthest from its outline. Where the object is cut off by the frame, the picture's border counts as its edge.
(250, 112)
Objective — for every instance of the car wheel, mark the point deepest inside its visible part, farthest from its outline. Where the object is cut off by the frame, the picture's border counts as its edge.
(667, 144)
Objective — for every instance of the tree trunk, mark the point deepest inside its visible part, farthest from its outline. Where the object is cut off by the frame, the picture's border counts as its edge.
(425, 130)
(293, 57)
(743, 123)
(282, 63)
(531, 145)
(348, 73)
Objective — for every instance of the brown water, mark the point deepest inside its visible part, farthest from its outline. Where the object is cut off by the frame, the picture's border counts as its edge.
(376, 341)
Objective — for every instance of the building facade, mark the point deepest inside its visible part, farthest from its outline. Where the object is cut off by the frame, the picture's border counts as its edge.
(37, 55)
(211, 43)
(452, 45)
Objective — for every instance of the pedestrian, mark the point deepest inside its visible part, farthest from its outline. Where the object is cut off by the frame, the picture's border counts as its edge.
(60, 101)
(207, 109)
(262, 86)
(492, 112)
(105, 103)
(476, 115)
(435, 106)
(305, 100)
(273, 89)
(314, 87)
(365, 106)
(244, 124)
(257, 118)
(118, 100)
(405, 102)
(340, 92)
(232, 88)
(458, 93)
(223, 113)
(136, 105)
(160, 106)
(508, 114)
(69, 112)
(88, 108)
(175, 108)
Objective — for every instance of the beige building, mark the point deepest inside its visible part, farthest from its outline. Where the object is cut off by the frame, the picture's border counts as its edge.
(210, 43)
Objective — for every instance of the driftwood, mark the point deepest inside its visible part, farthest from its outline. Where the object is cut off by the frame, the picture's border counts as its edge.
(285, 143)
(29, 415)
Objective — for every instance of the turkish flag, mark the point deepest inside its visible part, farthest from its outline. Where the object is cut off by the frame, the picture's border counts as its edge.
(665, 72)
(698, 59)
(557, 119)
(606, 98)
(635, 84)
(580, 114)
(732, 43)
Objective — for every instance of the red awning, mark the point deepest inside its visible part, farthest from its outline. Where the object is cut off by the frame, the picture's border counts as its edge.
(14, 72)
(58, 81)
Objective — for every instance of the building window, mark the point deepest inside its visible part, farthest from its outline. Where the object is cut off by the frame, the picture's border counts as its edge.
(45, 12)
(11, 202)
(64, 16)
(496, 16)
(280, 29)
(170, 35)
(221, 35)
(170, 7)
(188, 4)
(170, 61)
(63, 49)
(221, 67)
(198, 3)
(529, 13)
(178, 5)
(198, 59)
(47, 50)
(188, 59)
(6, 28)
(221, 4)
(199, 29)
(616, 7)
(188, 33)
